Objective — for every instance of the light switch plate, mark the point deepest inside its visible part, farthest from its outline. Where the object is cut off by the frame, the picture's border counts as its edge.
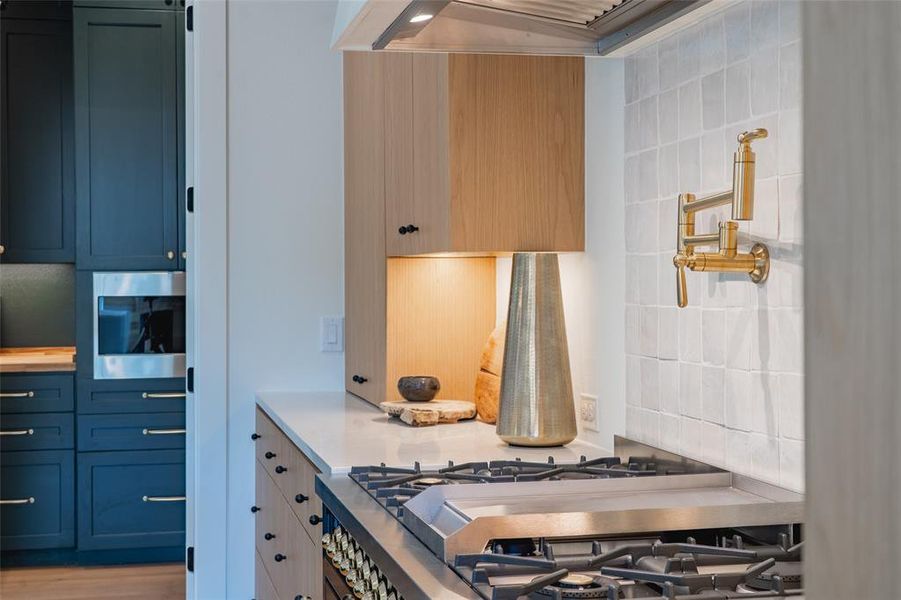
(588, 411)
(331, 334)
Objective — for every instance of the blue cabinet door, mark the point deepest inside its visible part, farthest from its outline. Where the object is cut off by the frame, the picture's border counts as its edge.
(37, 431)
(37, 499)
(126, 163)
(37, 178)
(131, 499)
(97, 396)
(38, 392)
(137, 431)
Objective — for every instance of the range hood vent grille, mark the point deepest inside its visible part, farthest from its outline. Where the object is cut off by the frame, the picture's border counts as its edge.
(572, 12)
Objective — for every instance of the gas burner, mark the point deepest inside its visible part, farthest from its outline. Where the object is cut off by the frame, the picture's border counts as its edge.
(578, 585)
(786, 575)
(430, 481)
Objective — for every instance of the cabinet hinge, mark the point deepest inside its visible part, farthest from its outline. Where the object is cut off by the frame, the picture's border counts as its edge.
(189, 559)
(189, 18)
(189, 199)
(190, 380)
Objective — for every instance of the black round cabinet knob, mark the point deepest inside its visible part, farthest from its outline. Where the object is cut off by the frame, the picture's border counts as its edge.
(315, 519)
(359, 379)
(254, 509)
(270, 455)
(254, 436)
(405, 229)
(300, 498)
(279, 557)
(280, 469)
(269, 536)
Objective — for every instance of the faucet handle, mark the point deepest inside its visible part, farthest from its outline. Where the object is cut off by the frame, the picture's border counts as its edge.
(755, 134)
(680, 261)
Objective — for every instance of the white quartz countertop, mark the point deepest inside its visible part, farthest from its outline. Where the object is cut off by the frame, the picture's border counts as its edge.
(337, 430)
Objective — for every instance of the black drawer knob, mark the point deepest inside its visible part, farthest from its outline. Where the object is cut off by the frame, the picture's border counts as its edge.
(254, 509)
(254, 436)
(315, 519)
(280, 469)
(270, 455)
(269, 536)
(300, 498)
(405, 229)
(279, 557)
(359, 379)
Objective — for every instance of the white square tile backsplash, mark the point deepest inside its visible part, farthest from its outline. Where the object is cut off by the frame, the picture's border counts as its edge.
(722, 379)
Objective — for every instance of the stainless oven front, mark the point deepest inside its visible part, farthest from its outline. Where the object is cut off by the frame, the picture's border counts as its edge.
(139, 325)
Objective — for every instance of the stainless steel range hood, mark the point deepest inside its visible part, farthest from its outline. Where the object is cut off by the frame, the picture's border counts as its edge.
(573, 27)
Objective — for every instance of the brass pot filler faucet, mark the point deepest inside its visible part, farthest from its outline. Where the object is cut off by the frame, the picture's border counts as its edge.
(755, 263)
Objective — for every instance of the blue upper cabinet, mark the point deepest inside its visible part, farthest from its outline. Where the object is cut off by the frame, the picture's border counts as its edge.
(126, 133)
(37, 189)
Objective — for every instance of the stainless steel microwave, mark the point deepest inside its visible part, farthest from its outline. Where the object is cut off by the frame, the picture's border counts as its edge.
(139, 325)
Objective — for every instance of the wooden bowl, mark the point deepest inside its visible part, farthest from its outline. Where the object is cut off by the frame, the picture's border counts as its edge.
(418, 388)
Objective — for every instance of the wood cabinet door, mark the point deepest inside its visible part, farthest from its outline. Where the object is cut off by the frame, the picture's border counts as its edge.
(37, 179)
(417, 208)
(364, 225)
(126, 138)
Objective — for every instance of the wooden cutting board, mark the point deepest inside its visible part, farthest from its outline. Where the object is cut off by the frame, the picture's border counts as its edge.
(419, 414)
(488, 379)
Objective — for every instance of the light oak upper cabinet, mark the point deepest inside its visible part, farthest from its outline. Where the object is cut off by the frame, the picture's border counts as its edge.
(482, 153)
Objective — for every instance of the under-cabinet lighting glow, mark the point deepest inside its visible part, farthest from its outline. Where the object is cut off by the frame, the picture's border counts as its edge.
(421, 17)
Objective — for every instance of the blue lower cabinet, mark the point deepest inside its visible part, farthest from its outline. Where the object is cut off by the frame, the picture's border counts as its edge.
(37, 507)
(37, 431)
(136, 431)
(52, 392)
(131, 499)
(96, 396)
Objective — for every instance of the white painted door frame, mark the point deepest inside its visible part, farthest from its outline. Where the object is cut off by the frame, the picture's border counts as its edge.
(207, 327)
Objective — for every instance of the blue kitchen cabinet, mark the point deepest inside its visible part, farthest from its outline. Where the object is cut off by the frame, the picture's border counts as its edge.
(37, 489)
(136, 431)
(99, 396)
(131, 499)
(37, 431)
(143, 4)
(37, 178)
(36, 392)
(126, 138)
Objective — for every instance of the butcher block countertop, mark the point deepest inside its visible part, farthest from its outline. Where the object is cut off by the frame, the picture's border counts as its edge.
(337, 430)
(37, 360)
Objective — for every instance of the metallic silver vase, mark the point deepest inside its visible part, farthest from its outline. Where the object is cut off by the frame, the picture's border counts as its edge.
(536, 405)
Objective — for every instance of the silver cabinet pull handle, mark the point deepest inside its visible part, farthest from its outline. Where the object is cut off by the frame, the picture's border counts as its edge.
(29, 500)
(148, 431)
(163, 498)
(16, 394)
(164, 395)
(17, 432)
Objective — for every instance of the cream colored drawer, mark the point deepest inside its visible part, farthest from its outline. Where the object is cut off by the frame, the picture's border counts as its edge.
(293, 560)
(264, 588)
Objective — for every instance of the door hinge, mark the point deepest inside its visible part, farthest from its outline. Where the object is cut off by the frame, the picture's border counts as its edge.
(189, 559)
(189, 18)
(189, 199)
(190, 379)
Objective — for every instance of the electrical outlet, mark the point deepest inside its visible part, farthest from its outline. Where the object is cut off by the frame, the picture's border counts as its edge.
(588, 412)
(331, 334)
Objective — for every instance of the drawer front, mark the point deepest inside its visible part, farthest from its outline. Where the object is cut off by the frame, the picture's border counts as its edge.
(294, 475)
(37, 496)
(269, 443)
(264, 588)
(131, 499)
(131, 396)
(292, 559)
(39, 431)
(36, 393)
(137, 431)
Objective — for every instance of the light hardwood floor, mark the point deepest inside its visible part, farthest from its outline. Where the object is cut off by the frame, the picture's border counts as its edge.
(141, 582)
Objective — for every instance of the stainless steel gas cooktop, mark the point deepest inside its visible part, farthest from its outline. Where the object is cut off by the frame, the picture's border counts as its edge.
(644, 523)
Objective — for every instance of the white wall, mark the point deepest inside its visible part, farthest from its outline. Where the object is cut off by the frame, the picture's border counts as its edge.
(722, 379)
(285, 227)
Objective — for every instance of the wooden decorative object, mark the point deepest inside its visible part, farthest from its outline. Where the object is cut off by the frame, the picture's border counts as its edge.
(488, 380)
(419, 414)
